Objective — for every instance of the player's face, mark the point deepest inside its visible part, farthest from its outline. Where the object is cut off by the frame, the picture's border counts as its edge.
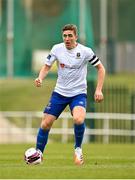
(69, 39)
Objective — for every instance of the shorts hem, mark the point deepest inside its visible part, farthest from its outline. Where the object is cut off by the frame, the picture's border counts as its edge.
(51, 114)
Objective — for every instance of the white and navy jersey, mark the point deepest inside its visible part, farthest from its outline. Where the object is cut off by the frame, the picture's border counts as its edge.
(72, 68)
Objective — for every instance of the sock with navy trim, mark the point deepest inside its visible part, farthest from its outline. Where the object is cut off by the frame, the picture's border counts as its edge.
(42, 138)
(79, 133)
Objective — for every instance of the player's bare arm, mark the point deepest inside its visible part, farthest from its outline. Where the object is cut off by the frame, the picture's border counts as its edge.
(42, 74)
(98, 96)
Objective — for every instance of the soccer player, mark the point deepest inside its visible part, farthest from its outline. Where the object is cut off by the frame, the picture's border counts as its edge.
(71, 87)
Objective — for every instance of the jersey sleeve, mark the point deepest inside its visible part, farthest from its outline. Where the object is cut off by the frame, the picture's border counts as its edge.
(91, 57)
(51, 57)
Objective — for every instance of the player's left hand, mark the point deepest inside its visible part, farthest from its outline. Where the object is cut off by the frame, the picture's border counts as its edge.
(98, 96)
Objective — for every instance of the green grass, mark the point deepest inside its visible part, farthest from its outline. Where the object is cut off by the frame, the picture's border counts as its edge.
(21, 94)
(101, 162)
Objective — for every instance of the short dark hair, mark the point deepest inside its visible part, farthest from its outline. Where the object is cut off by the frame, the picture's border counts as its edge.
(71, 27)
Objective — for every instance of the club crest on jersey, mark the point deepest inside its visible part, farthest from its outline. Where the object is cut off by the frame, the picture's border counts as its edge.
(78, 55)
(62, 65)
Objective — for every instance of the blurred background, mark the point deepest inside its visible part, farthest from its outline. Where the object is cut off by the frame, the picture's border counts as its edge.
(28, 30)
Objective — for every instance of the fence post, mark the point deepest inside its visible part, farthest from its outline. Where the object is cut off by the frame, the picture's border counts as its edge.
(106, 130)
(132, 112)
(65, 130)
(28, 125)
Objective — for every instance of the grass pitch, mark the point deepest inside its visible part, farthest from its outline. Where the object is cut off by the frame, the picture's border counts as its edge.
(113, 161)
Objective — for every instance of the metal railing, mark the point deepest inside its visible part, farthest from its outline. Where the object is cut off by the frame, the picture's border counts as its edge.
(28, 132)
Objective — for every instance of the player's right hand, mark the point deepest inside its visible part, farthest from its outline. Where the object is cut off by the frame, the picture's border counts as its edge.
(38, 82)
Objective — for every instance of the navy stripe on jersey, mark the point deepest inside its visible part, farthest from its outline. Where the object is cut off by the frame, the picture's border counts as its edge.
(94, 60)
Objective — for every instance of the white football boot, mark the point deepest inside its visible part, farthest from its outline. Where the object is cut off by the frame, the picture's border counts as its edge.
(78, 156)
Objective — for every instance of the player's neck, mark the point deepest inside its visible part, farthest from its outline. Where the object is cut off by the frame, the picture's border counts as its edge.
(74, 46)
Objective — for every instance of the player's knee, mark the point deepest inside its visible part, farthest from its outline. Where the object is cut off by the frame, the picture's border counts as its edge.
(46, 124)
(78, 119)
(47, 121)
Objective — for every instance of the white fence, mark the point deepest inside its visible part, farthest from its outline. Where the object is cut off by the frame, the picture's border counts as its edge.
(28, 134)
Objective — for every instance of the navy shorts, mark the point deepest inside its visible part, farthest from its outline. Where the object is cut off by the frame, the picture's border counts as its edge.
(58, 103)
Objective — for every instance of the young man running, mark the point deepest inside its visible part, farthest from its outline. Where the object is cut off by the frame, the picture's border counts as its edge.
(71, 87)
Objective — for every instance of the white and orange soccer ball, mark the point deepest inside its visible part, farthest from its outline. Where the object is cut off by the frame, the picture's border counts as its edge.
(33, 156)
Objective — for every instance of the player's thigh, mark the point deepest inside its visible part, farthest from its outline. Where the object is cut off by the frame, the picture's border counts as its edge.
(78, 108)
(47, 121)
(79, 113)
(56, 105)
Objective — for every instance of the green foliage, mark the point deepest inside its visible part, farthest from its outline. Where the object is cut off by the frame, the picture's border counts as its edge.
(120, 18)
(112, 161)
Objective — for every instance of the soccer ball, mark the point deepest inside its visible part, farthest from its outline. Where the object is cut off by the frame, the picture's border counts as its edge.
(33, 156)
